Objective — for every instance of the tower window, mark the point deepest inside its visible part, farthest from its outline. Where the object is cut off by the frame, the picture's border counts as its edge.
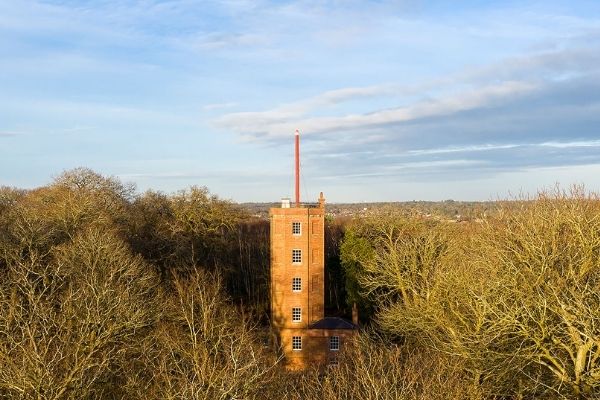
(296, 314)
(334, 343)
(296, 284)
(297, 343)
(297, 256)
(296, 228)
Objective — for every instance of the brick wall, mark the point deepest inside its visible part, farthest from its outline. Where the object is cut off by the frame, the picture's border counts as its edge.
(310, 270)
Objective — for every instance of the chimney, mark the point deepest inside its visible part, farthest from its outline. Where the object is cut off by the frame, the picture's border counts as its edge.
(355, 314)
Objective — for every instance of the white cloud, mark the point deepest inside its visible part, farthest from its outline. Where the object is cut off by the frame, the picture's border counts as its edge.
(298, 109)
(568, 145)
(279, 122)
(490, 147)
(434, 164)
(471, 88)
(463, 149)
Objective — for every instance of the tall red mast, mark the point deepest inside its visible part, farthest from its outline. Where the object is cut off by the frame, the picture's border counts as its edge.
(297, 154)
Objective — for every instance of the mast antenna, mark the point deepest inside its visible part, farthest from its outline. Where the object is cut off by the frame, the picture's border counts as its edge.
(297, 166)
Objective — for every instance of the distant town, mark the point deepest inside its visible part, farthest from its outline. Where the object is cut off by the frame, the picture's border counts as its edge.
(447, 210)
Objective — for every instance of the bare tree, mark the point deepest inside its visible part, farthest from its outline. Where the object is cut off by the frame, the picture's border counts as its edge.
(549, 250)
(201, 222)
(67, 327)
(518, 298)
(205, 348)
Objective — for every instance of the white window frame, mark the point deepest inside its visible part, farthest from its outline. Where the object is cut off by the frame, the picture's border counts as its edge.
(296, 256)
(297, 343)
(296, 284)
(296, 228)
(334, 343)
(296, 314)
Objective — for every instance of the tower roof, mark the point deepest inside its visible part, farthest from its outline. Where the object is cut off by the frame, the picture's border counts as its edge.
(332, 323)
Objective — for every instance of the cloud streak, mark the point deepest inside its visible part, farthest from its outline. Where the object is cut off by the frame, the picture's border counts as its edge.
(276, 123)
(493, 147)
(464, 149)
(568, 145)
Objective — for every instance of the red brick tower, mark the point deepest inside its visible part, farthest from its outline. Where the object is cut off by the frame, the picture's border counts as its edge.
(297, 279)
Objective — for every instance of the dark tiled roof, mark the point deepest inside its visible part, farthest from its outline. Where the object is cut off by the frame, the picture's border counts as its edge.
(332, 323)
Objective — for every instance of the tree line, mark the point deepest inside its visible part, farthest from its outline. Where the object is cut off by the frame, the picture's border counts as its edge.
(110, 294)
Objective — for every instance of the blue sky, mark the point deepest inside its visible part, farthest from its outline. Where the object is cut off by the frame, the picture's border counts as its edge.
(395, 100)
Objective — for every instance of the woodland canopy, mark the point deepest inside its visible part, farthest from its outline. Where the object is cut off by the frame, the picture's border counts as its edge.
(110, 294)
